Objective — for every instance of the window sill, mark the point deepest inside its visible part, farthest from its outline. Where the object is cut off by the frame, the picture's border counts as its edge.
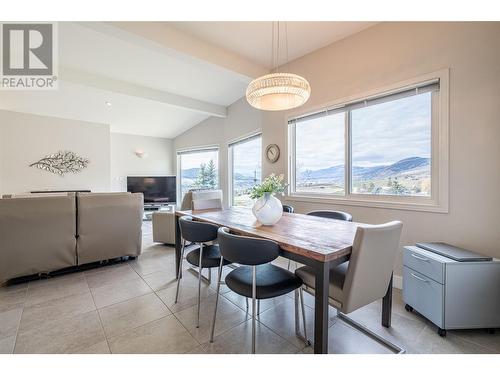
(429, 206)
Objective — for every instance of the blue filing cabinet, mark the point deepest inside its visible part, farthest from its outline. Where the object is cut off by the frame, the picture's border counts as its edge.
(451, 294)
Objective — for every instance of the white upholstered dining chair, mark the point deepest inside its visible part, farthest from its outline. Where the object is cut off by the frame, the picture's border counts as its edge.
(365, 277)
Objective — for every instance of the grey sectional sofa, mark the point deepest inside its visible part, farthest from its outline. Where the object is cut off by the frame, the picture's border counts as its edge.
(40, 233)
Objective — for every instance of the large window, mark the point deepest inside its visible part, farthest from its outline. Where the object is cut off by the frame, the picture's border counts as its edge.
(320, 155)
(198, 169)
(245, 162)
(379, 148)
(391, 147)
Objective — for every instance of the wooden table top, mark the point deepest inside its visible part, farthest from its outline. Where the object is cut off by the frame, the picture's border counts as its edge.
(314, 237)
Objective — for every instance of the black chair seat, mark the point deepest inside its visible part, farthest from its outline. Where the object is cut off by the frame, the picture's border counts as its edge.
(272, 281)
(210, 257)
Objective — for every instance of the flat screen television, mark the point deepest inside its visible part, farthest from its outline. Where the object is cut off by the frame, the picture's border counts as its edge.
(155, 189)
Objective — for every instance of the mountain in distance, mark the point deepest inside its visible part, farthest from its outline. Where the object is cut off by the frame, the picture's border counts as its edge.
(413, 164)
(190, 173)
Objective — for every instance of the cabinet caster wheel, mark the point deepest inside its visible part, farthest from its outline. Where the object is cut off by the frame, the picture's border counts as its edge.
(408, 308)
(441, 332)
(491, 331)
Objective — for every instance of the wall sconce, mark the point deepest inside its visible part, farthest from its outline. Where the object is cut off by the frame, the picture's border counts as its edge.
(141, 153)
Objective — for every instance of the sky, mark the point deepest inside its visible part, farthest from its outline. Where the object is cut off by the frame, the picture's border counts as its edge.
(247, 157)
(381, 134)
(193, 160)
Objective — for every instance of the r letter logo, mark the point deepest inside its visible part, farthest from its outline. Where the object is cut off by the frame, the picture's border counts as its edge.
(28, 56)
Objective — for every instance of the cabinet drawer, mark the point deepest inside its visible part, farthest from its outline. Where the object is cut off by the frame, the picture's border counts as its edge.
(422, 261)
(424, 295)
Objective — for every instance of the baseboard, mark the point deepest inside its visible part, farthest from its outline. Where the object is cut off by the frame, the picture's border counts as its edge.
(397, 282)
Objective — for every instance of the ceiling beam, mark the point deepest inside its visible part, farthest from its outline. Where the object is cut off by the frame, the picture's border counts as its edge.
(161, 37)
(126, 88)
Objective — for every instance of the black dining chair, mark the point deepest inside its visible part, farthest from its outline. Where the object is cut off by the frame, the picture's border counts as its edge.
(204, 256)
(256, 278)
(337, 215)
(289, 209)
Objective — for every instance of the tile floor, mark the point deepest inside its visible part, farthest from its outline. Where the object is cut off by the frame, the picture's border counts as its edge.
(129, 308)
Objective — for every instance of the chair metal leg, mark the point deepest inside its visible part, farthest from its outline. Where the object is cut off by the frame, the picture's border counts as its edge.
(246, 300)
(216, 299)
(297, 327)
(179, 275)
(360, 327)
(301, 293)
(199, 286)
(258, 307)
(254, 297)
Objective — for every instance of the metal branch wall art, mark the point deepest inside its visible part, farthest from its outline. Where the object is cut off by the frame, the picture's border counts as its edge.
(62, 162)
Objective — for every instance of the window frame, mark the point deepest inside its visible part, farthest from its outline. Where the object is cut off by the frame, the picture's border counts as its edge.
(230, 160)
(193, 150)
(439, 199)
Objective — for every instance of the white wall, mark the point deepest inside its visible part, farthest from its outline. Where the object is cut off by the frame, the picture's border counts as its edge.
(124, 162)
(388, 53)
(26, 138)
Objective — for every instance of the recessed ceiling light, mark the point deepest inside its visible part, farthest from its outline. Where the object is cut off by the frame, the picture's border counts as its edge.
(108, 104)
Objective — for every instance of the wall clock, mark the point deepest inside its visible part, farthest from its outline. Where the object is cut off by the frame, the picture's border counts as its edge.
(272, 153)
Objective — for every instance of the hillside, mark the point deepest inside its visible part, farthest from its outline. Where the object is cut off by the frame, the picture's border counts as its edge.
(412, 165)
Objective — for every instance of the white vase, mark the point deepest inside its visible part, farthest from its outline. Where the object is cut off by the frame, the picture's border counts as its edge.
(268, 209)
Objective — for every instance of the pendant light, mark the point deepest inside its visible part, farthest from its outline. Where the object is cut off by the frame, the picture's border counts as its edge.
(278, 91)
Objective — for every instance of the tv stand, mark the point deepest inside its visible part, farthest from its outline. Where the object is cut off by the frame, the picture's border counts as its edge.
(155, 206)
(151, 208)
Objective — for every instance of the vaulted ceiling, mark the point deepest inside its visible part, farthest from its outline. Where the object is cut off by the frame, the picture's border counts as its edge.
(161, 78)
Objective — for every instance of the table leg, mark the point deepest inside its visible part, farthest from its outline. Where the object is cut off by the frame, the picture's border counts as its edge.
(321, 308)
(387, 306)
(178, 244)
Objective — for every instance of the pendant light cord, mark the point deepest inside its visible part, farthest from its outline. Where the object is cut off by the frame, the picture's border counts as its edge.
(276, 44)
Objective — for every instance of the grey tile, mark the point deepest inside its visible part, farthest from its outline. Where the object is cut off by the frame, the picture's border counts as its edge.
(166, 335)
(99, 348)
(238, 340)
(429, 342)
(132, 313)
(188, 293)
(60, 308)
(161, 279)
(228, 316)
(161, 258)
(9, 322)
(309, 301)
(223, 288)
(198, 350)
(479, 337)
(13, 296)
(62, 336)
(7, 345)
(113, 293)
(115, 274)
(281, 319)
(265, 304)
(342, 339)
(158, 250)
(61, 286)
(403, 331)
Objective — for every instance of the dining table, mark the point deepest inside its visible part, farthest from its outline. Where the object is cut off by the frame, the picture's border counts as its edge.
(318, 242)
